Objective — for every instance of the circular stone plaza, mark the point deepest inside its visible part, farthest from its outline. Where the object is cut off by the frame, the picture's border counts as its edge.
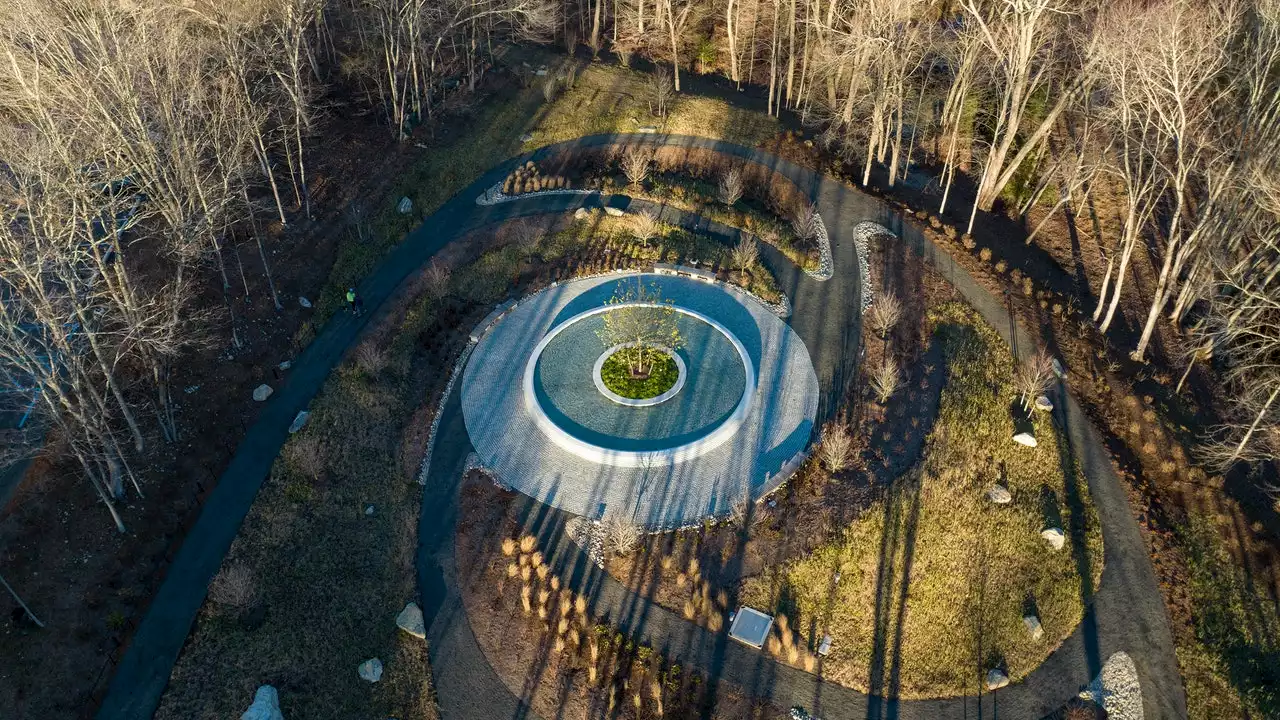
(733, 426)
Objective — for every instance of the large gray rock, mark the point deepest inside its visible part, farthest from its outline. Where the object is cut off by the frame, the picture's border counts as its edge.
(266, 705)
(1025, 438)
(262, 392)
(371, 670)
(405, 206)
(1054, 536)
(1034, 627)
(613, 211)
(304, 302)
(581, 214)
(1043, 403)
(996, 679)
(999, 495)
(411, 621)
(298, 421)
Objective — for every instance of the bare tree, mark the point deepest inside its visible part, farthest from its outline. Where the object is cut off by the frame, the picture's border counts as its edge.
(622, 537)
(646, 226)
(436, 279)
(635, 165)
(661, 93)
(886, 310)
(885, 379)
(1033, 377)
(805, 223)
(730, 187)
(746, 253)
(835, 446)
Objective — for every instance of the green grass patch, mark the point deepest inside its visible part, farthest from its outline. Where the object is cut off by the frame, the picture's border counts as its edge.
(616, 375)
(934, 578)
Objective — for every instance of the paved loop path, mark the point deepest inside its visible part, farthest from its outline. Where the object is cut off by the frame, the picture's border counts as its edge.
(1126, 612)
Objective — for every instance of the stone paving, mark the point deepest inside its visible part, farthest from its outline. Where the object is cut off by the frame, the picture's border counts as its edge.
(778, 423)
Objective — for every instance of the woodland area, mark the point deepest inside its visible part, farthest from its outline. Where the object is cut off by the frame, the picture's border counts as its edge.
(141, 140)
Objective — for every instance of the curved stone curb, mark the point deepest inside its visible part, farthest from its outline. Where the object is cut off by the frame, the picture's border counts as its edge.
(597, 377)
(826, 266)
(862, 234)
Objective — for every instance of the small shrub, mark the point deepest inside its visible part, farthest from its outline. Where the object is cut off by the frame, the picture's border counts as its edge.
(985, 254)
(234, 587)
(1001, 266)
(949, 231)
(884, 379)
(1027, 287)
(835, 447)
(370, 358)
(968, 241)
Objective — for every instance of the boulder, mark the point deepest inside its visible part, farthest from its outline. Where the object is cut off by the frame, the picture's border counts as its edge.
(1054, 536)
(615, 212)
(371, 670)
(540, 72)
(1044, 404)
(266, 705)
(996, 679)
(304, 302)
(999, 495)
(581, 214)
(410, 620)
(526, 138)
(647, 129)
(285, 365)
(1025, 438)
(825, 647)
(262, 392)
(1034, 627)
(405, 206)
(298, 421)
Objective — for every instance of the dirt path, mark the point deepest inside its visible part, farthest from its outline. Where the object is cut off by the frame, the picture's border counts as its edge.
(1126, 613)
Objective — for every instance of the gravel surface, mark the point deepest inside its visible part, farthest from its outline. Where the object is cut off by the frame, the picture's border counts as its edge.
(1116, 689)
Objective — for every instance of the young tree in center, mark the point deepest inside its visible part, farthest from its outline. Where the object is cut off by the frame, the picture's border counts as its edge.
(641, 318)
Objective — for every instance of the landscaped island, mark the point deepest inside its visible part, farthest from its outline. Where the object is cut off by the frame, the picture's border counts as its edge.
(640, 373)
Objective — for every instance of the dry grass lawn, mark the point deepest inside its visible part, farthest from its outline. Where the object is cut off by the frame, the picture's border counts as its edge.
(317, 579)
(610, 99)
(934, 579)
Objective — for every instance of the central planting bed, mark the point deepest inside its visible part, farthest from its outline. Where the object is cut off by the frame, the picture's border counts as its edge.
(736, 420)
(710, 388)
(619, 375)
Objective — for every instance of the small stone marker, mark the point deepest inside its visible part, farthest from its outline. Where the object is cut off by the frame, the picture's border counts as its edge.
(825, 647)
(266, 705)
(285, 365)
(613, 211)
(1043, 403)
(368, 510)
(996, 679)
(526, 138)
(262, 392)
(1054, 537)
(371, 670)
(1025, 438)
(405, 206)
(298, 421)
(1033, 626)
(999, 495)
(304, 302)
(410, 620)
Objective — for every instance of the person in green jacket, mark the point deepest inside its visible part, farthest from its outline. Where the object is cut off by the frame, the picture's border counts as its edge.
(354, 302)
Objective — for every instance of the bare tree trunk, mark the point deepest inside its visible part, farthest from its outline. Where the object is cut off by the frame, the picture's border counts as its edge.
(21, 604)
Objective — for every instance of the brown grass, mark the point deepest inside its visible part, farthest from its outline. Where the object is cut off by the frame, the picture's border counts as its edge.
(973, 564)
